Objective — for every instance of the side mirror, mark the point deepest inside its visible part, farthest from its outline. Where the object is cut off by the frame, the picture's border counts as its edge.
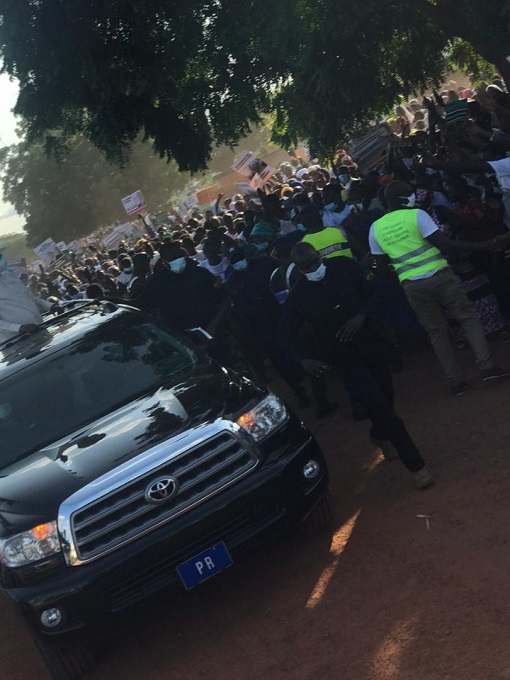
(199, 336)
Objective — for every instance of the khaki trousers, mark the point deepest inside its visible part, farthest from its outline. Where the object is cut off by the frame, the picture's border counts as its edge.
(444, 290)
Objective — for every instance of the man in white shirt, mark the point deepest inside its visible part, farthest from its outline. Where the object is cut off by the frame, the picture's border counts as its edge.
(415, 247)
(126, 273)
(217, 264)
(20, 311)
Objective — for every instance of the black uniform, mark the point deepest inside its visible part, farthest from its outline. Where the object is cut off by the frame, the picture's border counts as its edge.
(363, 363)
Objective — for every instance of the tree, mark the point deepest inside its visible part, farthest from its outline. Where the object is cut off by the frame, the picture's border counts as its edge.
(15, 245)
(188, 75)
(70, 197)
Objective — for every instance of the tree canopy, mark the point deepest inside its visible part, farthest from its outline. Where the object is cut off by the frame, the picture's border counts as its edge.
(70, 197)
(188, 75)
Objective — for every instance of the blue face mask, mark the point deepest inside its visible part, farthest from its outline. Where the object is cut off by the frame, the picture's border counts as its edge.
(3, 264)
(262, 246)
(330, 206)
(177, 266)
(301, 227)
(241, 265)
(344, 178)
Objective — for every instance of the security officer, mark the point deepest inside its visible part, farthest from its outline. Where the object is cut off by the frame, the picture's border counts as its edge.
(328, 241)
(333, 300)
(414, 245)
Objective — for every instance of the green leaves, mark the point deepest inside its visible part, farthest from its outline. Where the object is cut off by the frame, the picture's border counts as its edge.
(191, 74)
(71, 197)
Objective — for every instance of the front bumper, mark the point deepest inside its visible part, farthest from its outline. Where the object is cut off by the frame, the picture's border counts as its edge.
(275, 495)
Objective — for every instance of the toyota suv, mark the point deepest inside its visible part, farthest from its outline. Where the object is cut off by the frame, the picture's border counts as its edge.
(130, 462)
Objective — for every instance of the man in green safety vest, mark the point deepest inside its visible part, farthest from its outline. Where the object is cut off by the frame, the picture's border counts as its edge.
(328, 241)
(415, 246)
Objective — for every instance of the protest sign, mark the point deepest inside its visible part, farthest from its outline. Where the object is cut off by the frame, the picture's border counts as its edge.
(133, 203)
(249, 165)
(370, 150)
(120, 233)
(256, 182)
(17, 266)
(47, 251)
(242, 164)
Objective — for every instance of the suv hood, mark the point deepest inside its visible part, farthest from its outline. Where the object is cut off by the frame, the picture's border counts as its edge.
(32, 489)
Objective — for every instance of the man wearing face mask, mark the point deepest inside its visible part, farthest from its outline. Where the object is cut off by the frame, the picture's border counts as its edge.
(20, 311)
(328, 241)
(254, 307)
(335, 210)
(262, 237)
(415, 246)
(333, 299)
(183, 294)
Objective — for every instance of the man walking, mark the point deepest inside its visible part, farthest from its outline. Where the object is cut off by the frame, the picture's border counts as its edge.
(333, 299)
(414, 245)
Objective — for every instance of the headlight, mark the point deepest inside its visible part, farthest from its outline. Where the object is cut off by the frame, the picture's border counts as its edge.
(30, 546)
(263, 418)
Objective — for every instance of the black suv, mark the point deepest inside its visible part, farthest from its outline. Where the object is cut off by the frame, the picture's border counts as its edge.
(130, 461)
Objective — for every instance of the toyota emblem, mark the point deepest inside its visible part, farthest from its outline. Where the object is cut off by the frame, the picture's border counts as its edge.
(161, 490)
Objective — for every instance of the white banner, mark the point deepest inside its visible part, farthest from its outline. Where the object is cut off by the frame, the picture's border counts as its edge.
(121, 232)
(133, 203)
(191, 201)
(47, 251)
(248, 165)
(242, 164)
(256, 182)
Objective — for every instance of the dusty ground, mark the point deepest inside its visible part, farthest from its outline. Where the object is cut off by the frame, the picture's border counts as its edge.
(378, 597)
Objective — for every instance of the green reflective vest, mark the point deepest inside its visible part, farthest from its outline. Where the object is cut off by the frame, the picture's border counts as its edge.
(330, 242)
(411, 255)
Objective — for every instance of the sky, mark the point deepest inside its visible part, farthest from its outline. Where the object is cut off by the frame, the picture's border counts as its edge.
(9, 220)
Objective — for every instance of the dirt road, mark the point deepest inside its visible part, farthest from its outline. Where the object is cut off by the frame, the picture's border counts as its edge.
(406, 585)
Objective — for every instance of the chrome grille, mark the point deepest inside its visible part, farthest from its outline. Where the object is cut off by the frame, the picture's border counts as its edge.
(123, 514)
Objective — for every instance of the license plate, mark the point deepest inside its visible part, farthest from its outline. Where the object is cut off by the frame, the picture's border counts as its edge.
(204, 565)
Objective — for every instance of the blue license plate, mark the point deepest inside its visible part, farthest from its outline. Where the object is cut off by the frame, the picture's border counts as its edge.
(203, 566)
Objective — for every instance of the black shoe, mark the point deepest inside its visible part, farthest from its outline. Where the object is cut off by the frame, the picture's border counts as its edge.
(489, 374)
(423, 479)
(459, 388)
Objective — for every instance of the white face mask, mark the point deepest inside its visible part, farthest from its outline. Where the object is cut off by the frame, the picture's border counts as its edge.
(318, 274)
(408, 201)
(178, 266)
(241, 265)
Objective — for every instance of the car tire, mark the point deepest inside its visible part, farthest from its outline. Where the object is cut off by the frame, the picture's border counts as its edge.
(67, 663)
(318, 518)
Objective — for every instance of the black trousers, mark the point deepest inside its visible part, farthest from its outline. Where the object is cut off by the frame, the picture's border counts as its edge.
(365, 370)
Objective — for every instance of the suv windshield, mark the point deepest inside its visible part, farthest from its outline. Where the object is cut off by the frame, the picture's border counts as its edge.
(106, 368)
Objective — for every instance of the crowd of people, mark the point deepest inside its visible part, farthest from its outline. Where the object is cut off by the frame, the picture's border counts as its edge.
(327, 269)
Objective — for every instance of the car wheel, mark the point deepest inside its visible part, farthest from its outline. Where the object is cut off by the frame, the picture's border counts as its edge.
(318, 518)
(67, 663)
